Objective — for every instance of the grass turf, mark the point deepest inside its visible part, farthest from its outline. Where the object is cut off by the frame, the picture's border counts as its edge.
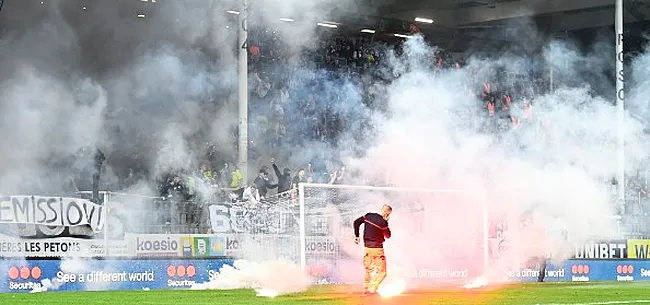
(524, 294)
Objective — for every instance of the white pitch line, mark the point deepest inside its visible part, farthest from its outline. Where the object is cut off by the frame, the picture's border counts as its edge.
(603, 303)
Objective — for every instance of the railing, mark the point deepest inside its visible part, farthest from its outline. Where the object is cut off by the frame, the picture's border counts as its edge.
(635, 224)
(140, 214)
(157, 215)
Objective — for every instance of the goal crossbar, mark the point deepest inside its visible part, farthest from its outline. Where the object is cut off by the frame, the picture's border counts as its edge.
(301, 198)
(382, 188)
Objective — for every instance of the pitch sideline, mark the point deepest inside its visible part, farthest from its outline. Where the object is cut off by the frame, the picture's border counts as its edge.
(603, 303)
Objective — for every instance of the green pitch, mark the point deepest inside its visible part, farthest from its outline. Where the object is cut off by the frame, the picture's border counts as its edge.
(525, 294)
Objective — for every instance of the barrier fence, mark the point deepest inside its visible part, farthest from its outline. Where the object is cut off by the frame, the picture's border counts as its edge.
(36, 276)
(157, 215)
(170, 261)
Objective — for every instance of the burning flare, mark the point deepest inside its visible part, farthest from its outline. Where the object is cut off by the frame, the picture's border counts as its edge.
(479, 282)
(393, 289)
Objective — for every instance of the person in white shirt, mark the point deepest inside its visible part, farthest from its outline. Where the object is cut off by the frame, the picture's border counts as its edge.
(251, 194)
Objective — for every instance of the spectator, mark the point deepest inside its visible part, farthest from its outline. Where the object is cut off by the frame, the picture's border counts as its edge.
(130, 179)
(299, 178)
(262, 183)
(336, 177)
(207, 174)
(284, 178)
(237, 181)
(252, 195)
(318, 170)
(172, 187)
(190, 187)
(211, 154)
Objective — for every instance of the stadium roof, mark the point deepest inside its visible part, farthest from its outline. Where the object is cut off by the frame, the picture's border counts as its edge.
(445, 22)
(574, 14)
(451, 22)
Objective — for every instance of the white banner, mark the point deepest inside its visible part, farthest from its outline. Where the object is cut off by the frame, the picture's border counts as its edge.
(238, 218)
(64, 247)
(242, 219)
(51, 211)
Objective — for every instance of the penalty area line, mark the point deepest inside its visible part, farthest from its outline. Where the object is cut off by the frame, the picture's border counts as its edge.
(603, 303)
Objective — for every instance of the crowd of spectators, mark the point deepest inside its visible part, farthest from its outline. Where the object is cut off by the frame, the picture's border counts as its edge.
(322, 98)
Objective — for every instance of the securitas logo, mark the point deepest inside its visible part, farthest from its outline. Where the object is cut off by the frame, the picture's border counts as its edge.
(624, 273)
(180, 276)
(580, 273)
(24, 278)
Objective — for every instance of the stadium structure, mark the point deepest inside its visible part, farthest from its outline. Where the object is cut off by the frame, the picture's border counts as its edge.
(134, 194)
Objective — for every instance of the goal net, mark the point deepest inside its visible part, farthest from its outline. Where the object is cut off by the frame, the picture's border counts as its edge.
(438, 236)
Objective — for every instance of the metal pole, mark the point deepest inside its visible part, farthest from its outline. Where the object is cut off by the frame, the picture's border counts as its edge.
(106, 205)
(620, 107)
(243, 90)
(551, 80)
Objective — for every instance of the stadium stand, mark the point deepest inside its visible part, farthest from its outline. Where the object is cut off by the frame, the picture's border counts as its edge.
(291, 109)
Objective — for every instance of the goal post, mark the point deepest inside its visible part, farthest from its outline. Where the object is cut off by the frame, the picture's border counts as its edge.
(301, 225)
(349, 199)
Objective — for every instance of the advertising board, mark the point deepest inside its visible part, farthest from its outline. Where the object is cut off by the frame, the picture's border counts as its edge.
(161, 245)
(154, 245)
(587, 271)
(617, 249)
(40, 275)
(638, 248)
(64, 247)
(66, 275)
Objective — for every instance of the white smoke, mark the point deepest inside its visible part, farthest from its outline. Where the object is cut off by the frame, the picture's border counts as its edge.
(438, 135)
(267, 278)
(68, 266)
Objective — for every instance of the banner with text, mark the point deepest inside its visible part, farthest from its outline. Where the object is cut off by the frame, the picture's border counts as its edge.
(63, 247)
(227, 245)
(156, 245)
(40, 275)
(586, 271)
(167, 245)
(51, 211)
(35, 275)
(617, 249)
(638, 248)
(240, 218)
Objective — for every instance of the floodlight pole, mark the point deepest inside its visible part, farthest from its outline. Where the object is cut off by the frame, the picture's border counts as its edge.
(243, 90)
(620, 107)
(550, 78)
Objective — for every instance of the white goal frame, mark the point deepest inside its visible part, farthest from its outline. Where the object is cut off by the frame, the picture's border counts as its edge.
(301, 198)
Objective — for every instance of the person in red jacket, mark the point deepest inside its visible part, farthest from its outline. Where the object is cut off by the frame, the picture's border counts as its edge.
(375, 232)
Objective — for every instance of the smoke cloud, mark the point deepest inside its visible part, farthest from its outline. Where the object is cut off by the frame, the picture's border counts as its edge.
(556, 173)
(268, 278)
(68, 266)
